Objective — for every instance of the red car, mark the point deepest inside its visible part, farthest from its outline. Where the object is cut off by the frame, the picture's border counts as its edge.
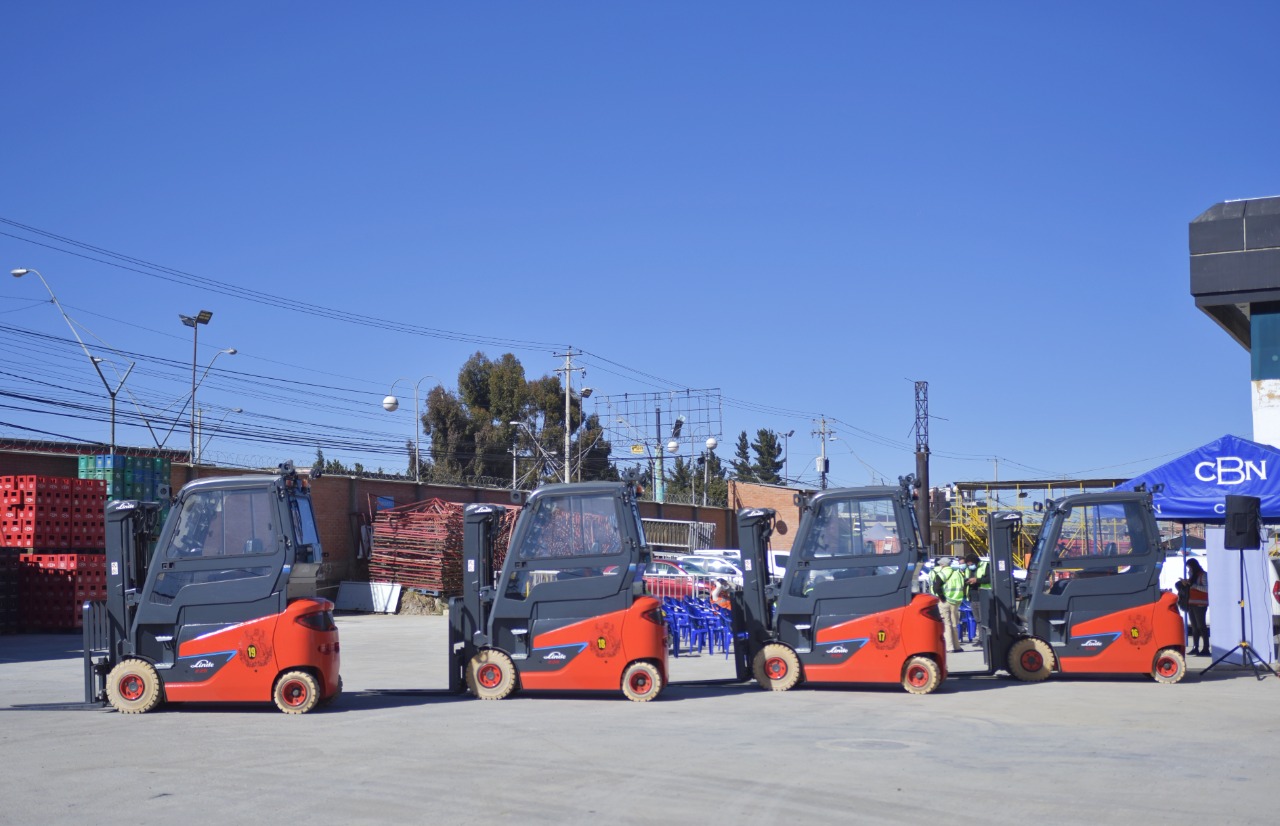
(669, 579)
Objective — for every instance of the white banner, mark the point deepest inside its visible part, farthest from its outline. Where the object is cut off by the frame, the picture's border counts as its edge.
(1225, 632)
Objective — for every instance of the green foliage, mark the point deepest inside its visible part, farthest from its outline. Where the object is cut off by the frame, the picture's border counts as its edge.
(334, 467)
(743, 470)
(472, 435)
(768, 454)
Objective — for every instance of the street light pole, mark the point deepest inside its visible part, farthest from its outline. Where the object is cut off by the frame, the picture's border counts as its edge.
(203, 443)
(194, 323)
(391, 404)
(96, 361)
(706, 467)
(786, 455)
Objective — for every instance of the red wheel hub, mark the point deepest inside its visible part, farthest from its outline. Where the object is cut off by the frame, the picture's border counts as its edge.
(776, 668)
(1167, 666)
(640, 683)
(918, 675)
(489, 675)
(132, 687)
(294, 692)
(1032, 661)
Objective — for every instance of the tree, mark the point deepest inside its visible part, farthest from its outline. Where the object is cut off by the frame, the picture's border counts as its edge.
(333, 466)
(473, 435)
(709, 472)
(768, 457)
(743, 470)
(593, 453)
(679, 478)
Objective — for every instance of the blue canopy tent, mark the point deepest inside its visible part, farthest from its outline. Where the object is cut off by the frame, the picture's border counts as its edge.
(1195, 488)
(1196, 484)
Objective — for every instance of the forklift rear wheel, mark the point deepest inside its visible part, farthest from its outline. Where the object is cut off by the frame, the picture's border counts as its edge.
(297, 692)
(641, 682)
(921, 676)
(133, 687)
(776, 667)
(1030, 660)
(491, 675)
(1170, 666)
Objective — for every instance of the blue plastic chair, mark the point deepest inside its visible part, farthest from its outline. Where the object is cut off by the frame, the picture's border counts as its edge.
(968, 626)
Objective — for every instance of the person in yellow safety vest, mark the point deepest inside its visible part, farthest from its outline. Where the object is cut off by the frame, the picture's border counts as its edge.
(949, 586)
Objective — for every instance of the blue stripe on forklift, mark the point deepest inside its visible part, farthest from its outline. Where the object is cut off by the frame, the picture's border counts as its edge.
(581, 647)
(227, 654)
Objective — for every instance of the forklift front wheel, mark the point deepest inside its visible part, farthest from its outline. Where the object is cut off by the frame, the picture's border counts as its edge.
(133, 687)
(641, 681)
(1030, 660)
(491, 675)
(921, 676)
(776, 667)
(297, 692)
(1170, 666)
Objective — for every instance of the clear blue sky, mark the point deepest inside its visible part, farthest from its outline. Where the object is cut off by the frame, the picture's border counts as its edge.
(807, 206)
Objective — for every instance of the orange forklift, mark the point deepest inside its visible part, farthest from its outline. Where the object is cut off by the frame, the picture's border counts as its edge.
(223, 609)
(1090, 602)
(846, 610)
(567, 611)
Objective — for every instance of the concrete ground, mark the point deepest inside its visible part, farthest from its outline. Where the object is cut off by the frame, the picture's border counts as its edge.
(981, 750)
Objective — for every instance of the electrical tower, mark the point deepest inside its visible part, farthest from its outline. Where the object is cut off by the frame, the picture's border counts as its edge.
(923, 503)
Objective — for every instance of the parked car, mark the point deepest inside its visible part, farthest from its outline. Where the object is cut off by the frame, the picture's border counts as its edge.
(712, 567)
(664, 578)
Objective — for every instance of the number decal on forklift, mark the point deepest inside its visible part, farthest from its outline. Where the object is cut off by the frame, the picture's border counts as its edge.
(1139, 629)
(880, 635)
(607, 642)
(256, 653)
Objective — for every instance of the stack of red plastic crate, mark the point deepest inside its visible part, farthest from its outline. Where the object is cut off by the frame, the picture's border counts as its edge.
(420, 546)
(55, 527)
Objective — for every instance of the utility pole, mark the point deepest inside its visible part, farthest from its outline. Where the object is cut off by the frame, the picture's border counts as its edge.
(659, 477)
(568, 379)
(823, 465)
(923, 503)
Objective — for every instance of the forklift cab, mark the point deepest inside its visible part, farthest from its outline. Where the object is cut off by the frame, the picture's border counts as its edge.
(852, 557)
(845, 610)
(234, 556)
(1091, 600)
(232, 550)
(567, 611)
(574, 554)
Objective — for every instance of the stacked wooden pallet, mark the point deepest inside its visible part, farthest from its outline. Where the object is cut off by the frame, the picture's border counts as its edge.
(420, 546)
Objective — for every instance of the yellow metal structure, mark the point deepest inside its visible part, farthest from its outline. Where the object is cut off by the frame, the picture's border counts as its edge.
(972, 502)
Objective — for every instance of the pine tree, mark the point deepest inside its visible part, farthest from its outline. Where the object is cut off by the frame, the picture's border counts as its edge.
(768, 457)
(743, 470)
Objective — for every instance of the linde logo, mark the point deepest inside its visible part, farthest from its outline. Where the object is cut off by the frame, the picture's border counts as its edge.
(1231, 470)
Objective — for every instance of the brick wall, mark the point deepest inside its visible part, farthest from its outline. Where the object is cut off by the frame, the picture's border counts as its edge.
(782, 500)
(342, 502)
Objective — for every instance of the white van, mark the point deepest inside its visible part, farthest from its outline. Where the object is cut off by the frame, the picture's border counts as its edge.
(778, 564)
(731, 554)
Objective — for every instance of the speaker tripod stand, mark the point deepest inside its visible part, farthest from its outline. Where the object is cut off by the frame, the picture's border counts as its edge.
(1247, 654)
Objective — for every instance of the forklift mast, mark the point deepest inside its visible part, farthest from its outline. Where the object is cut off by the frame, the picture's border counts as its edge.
(754, 610)
(998, 607)
(469, 613)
